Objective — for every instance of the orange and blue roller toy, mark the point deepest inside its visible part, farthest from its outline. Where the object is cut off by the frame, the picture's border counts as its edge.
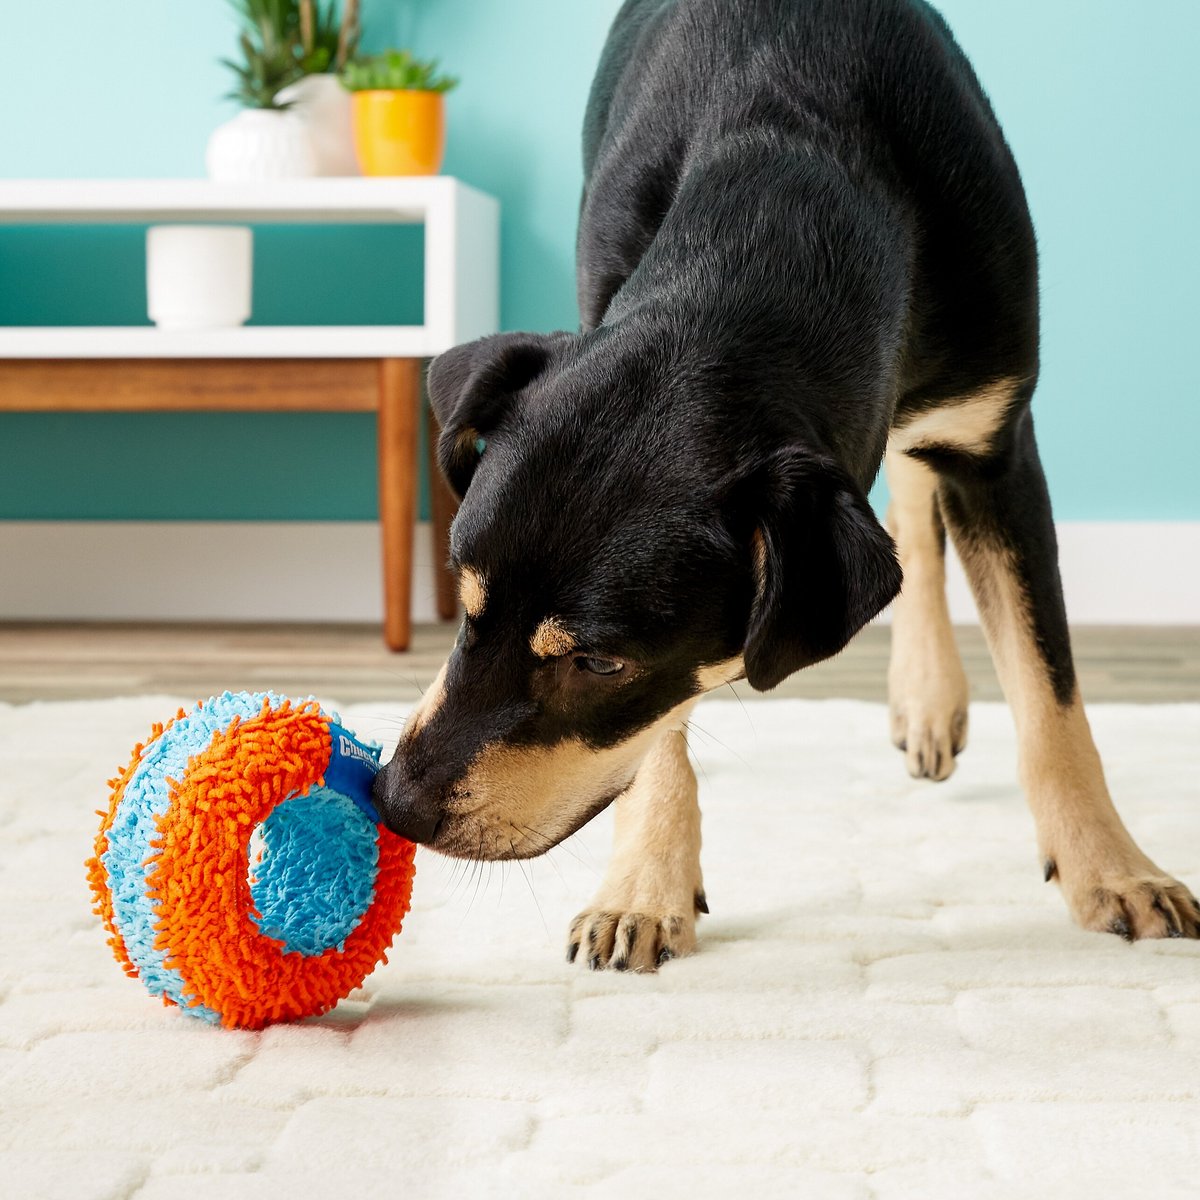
(241, 869)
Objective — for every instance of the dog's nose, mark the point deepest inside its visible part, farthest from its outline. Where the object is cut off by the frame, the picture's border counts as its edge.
(402, 810)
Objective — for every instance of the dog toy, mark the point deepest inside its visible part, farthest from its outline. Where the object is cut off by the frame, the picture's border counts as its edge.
(241, 870)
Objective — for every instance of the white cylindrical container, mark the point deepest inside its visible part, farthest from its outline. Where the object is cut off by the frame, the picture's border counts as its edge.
(199, 276)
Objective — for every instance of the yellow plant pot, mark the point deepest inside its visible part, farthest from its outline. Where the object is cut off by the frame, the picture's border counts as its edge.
(399, 132)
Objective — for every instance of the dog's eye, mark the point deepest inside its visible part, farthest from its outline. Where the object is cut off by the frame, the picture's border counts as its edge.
(598, 666)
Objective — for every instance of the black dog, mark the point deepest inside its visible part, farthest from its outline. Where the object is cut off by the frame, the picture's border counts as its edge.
(804, 249)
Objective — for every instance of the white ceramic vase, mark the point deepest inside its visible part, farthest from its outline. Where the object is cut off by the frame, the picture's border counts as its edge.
(261, 143)
(198, 276)
(325, 107)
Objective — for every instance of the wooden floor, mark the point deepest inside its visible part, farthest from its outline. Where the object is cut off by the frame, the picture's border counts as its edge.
(348, 663)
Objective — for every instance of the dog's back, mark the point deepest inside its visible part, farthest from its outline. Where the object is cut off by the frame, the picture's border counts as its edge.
(879, 86)
(804, 248)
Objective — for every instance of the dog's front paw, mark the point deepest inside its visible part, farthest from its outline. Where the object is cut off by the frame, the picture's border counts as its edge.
(928, 705)
(931, 731)
(1137, 901)
(632, 941)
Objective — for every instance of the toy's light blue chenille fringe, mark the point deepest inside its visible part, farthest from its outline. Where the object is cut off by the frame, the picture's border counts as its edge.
(316, 877)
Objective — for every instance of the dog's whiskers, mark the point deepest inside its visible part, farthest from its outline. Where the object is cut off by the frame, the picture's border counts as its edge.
(475, 875)
(588, 863)
(712, 738)
(549, 858)
(742, 703)
(459, 874)
(529, 884)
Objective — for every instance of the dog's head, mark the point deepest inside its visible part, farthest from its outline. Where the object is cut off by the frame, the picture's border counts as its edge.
(621, 549)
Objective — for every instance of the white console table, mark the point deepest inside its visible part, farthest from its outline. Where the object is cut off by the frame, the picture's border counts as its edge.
(292, 368)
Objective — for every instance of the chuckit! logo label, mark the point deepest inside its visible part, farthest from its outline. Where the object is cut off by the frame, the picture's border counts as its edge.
(352, 767)
(347, 747)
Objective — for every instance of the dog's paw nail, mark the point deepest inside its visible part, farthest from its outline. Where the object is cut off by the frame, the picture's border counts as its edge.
(1169, 918)
(594, 962)
(664, 955)
(701, 902)
(619, 964)
(1136, 905)
(1049, 869)
(1121, 928)
(572, 951)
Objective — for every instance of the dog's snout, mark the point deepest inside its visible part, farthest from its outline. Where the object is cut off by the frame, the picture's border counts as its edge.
(403, 807)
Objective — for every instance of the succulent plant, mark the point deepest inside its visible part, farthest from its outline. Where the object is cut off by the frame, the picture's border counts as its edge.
(395, 70)
(283, 40)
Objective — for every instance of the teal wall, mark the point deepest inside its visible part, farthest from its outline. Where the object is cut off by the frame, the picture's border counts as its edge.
(1100, 99)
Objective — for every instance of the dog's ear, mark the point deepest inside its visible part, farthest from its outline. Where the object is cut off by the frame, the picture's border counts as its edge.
(824, 565)
(472, 387)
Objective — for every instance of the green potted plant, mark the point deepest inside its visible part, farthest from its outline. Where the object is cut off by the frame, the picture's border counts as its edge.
(325, 43)
(399, 113)
(265, 140)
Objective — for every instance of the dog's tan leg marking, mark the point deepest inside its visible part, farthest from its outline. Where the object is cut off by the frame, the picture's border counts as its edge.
(927, 687)
(967, 424)
(1108, 883)
(645, 911)
(472, 591)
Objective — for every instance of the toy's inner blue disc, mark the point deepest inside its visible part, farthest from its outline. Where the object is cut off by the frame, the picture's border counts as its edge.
(312, 870)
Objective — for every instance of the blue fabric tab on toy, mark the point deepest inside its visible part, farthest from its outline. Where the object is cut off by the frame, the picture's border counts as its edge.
(353, 765)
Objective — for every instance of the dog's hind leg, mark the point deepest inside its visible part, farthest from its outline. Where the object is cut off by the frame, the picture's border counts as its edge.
(927, 687)
(645, 911)
(997, 508)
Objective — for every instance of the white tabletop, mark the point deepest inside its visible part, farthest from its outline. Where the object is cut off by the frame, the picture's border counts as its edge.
(461, 299)
(405, 200)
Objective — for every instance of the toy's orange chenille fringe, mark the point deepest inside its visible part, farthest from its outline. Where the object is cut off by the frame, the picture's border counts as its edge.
(102, 902)
(200, 885)
(200, 881)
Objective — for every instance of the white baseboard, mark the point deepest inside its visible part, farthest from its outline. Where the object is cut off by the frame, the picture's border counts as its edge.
(1114, 573)
(201, 571)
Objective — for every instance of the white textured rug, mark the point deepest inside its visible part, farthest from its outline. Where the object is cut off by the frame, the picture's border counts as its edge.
(887, 1001)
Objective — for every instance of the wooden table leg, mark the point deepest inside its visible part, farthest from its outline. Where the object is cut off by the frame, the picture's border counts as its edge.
(443, 504)
(399, 395)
